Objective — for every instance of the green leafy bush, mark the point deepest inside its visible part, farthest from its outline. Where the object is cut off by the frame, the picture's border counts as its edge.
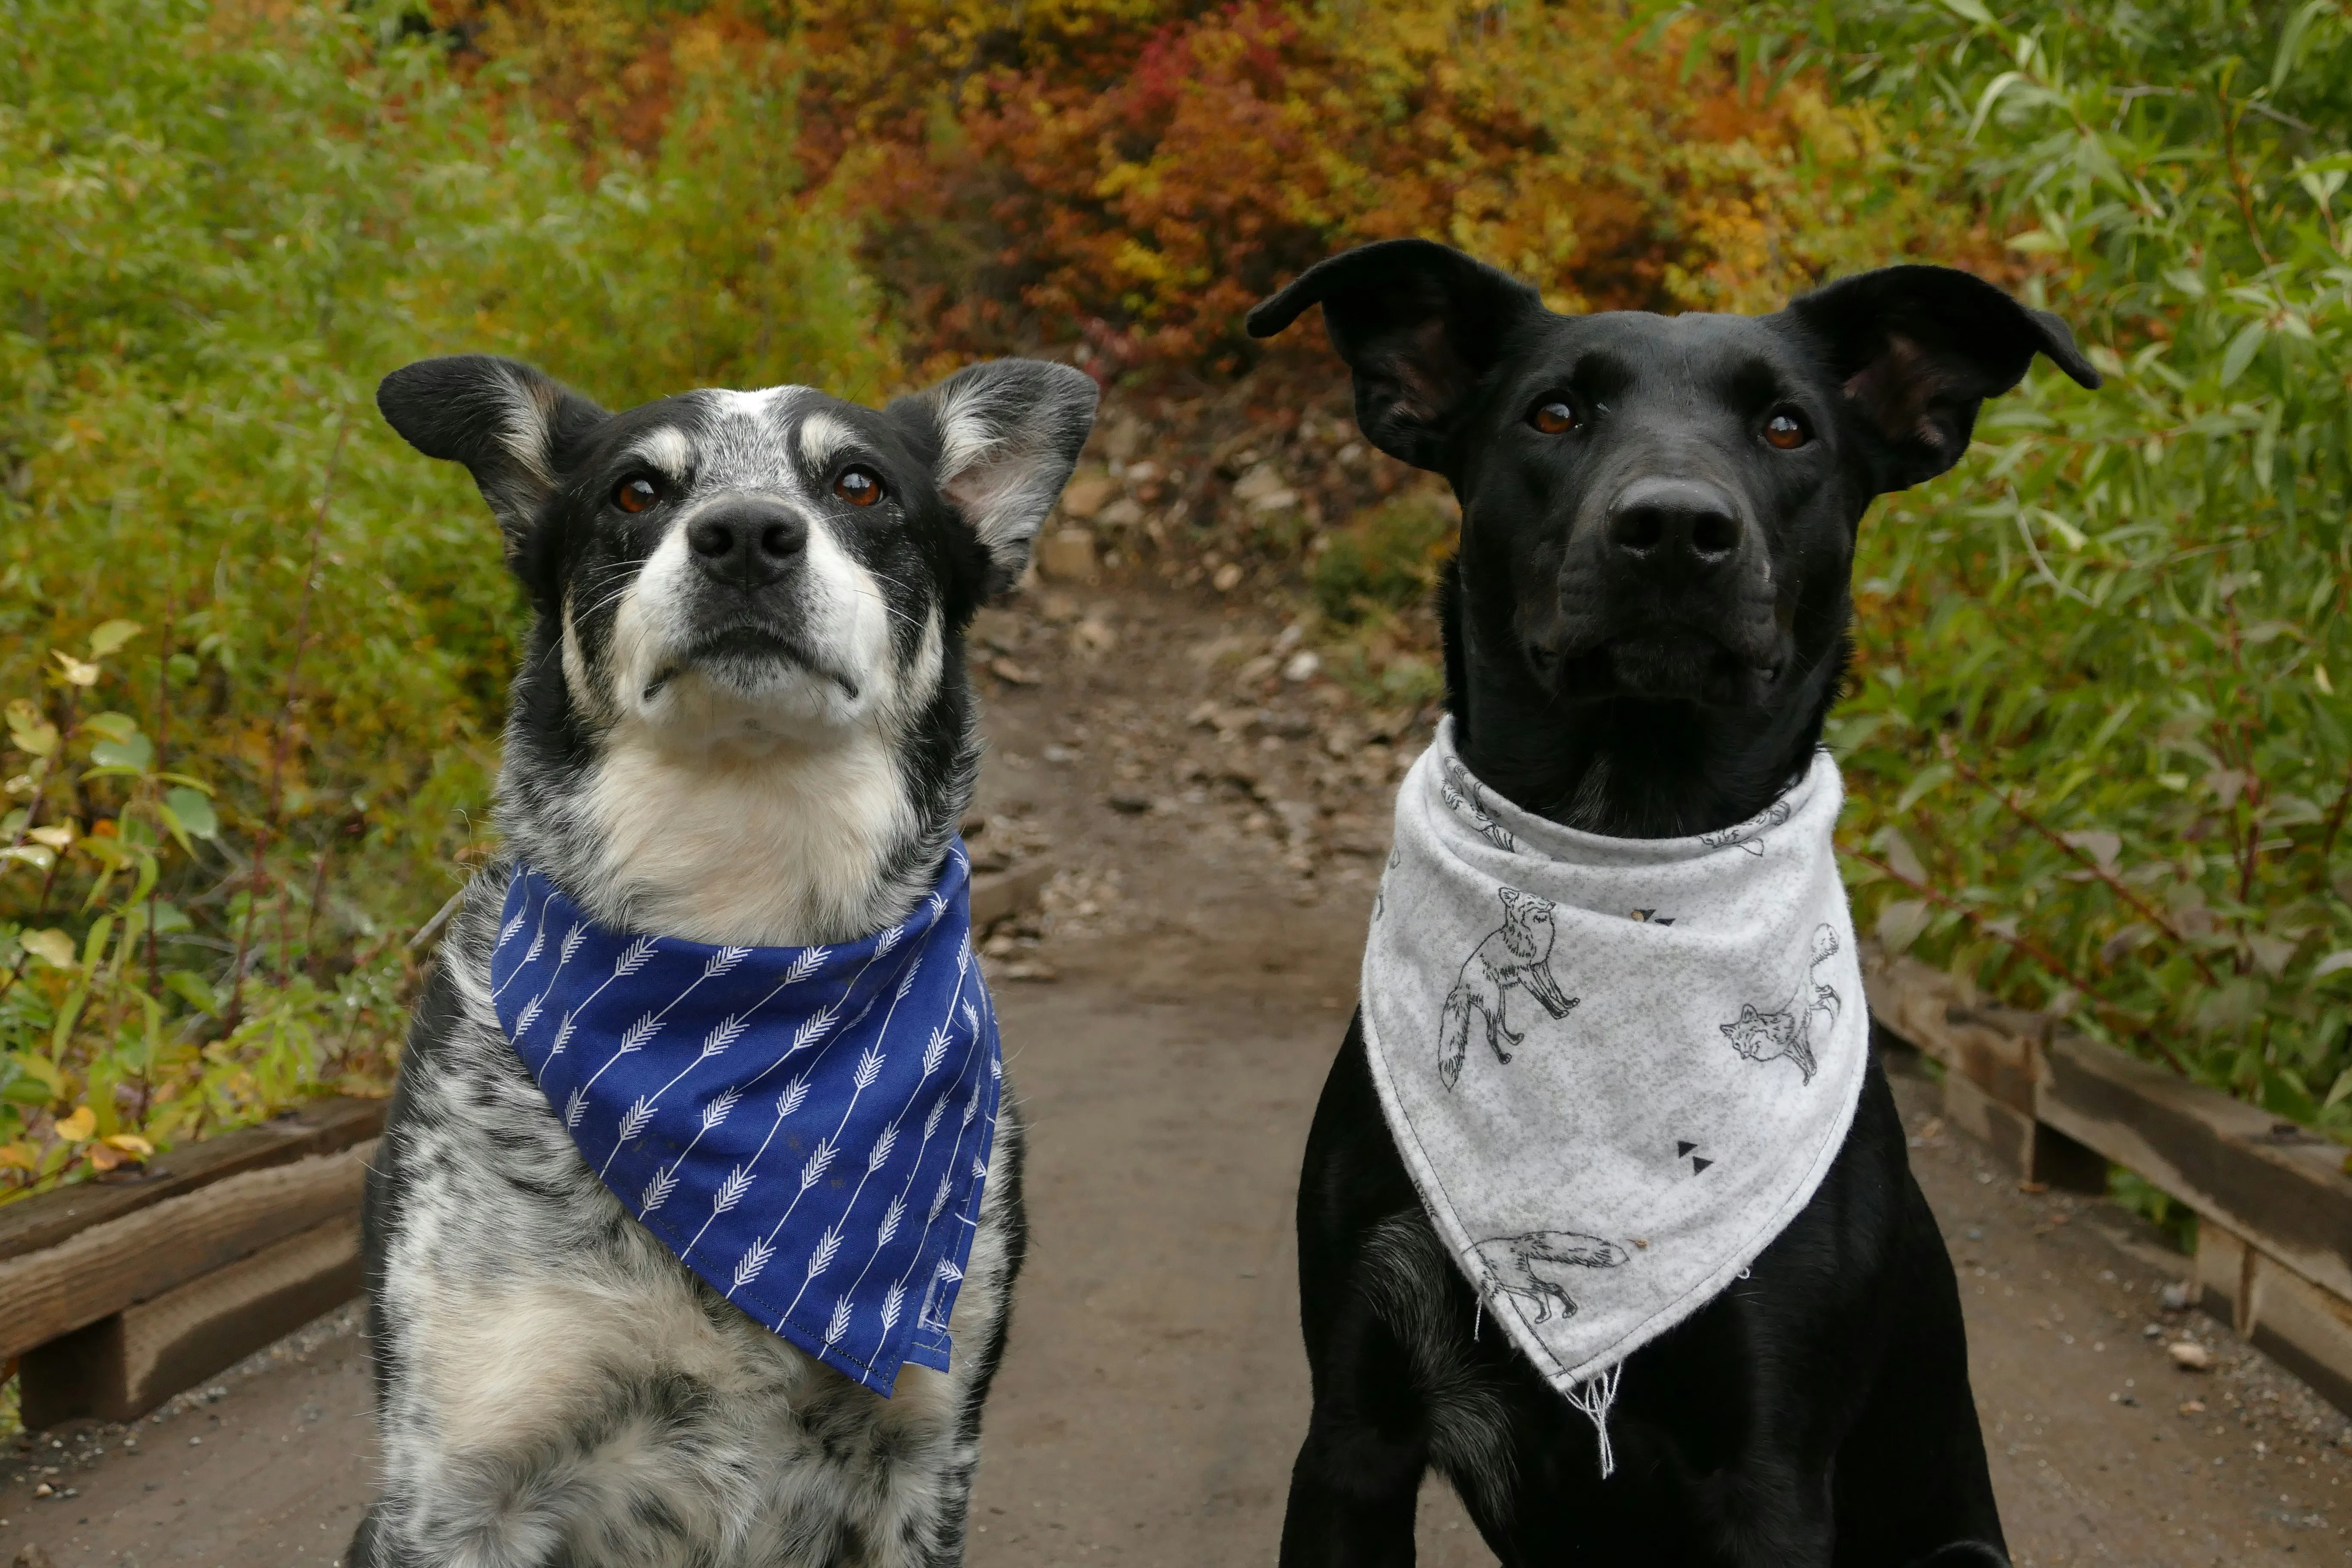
(256, 647)
(1387, 559)
(2100, 760)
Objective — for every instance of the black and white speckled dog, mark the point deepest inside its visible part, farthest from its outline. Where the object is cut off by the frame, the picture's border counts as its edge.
(742, 717)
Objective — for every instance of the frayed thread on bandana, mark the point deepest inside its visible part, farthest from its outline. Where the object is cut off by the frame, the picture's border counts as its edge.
(1593, 1396)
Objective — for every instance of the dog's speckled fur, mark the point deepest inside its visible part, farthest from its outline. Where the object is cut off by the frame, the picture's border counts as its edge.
(770, 747)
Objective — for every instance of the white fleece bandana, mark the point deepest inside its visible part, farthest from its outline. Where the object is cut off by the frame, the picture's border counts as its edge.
(1616, 1068)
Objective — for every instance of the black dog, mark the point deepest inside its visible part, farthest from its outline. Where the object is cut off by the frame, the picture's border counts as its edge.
(1644, 628)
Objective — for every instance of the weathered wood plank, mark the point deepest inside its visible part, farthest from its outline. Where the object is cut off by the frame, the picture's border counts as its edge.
(322, 1127)
(2282, 1189)
(122, 1366)
(98, 1271)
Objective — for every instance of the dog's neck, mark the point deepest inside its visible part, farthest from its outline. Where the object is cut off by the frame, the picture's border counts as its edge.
(1623, 768)
(781, 844)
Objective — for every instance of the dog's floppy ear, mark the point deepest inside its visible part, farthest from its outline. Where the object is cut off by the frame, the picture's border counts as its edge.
(505, 422)
(1417, 322)
(1915, 348)
(1007, 434)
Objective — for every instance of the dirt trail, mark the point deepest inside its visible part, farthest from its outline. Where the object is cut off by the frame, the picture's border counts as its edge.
(1183, 999)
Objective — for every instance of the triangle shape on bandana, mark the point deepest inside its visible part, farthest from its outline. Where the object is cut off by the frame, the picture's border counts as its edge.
(1533, 1049)
(808, 1130)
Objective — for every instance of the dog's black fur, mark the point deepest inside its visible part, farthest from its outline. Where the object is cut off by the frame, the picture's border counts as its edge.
(1644, 628)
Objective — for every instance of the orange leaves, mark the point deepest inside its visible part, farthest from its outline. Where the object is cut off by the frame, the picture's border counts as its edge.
(1133, 174)
(1147, 192)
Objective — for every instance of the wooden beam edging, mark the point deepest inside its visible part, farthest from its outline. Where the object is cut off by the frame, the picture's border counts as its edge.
(2273, 1199)
(102, 1268)
(321, 1127)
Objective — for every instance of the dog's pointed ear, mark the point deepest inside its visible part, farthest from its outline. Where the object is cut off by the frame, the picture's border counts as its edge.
(1420, 325)
(1006, 435)
(1914, 350)
(509, 425)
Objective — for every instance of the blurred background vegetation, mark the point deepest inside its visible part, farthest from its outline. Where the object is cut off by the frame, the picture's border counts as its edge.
(253, 651)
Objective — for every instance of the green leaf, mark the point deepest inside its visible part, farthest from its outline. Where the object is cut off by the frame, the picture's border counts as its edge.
(2001, 84)
(1934, 776)
(1900, 923)
(1896, 851)
(190, 813)
(2291, 37)
(134, 753)
(194, 989)
(187, 812)
(1971, 10)
(109, 635)
(112, 726)
(2241, 350)
(24, 1089)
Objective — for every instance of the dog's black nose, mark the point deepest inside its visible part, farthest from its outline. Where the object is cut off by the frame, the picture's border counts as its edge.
(750, 544)
(1675, 525)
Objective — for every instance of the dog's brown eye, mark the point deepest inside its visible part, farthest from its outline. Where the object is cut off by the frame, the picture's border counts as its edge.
(859, 486)
(1553, 418)
(1786, 431)
(634, 494)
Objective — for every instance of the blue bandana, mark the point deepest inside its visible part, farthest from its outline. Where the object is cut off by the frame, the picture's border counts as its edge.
(808, 1128)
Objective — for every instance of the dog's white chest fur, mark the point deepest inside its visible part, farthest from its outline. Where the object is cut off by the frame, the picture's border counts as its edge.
(756, 841)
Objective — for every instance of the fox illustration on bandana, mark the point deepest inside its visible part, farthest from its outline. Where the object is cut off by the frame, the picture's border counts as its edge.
(1516, 953)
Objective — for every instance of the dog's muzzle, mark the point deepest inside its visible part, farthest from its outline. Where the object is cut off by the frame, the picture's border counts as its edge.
(1668, 597)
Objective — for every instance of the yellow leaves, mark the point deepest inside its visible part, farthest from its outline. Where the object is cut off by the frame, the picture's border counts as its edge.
(119, 1149)
(19, 1157)
(51, 946)
(30, 731)
(76, 672)
(80, 1127)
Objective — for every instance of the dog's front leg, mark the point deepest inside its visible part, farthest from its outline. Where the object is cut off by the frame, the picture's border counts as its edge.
(1357, 1475)
(1764, 1515)
(1358, 1472)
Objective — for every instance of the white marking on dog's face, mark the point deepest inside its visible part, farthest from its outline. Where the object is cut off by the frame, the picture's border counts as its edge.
(822, 436)
(667, 450)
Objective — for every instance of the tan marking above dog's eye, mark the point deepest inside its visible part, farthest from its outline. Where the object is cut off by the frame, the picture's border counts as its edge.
(1554, 418)
(859, 486)
(635, 493)
(1786, 431)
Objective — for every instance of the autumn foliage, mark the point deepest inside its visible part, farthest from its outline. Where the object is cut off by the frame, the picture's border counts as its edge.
(1132, 174)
